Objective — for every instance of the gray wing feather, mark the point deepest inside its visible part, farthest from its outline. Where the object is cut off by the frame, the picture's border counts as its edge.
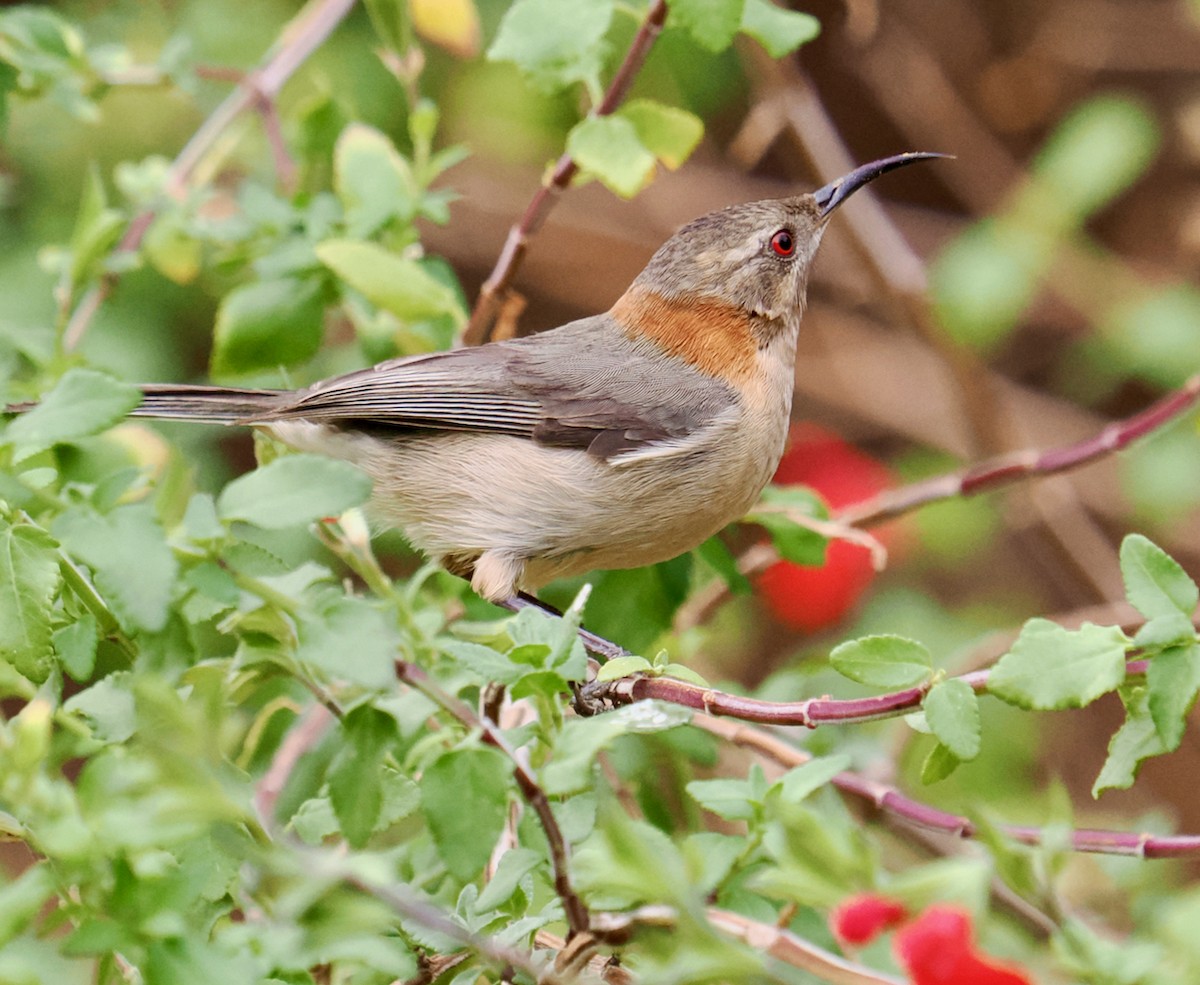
(584, 385)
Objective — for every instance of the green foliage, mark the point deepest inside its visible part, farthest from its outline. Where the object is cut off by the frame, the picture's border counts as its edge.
(883, 661)
(82, 403)
(293, 490)
(29, 581)
(266, 324)
(555, 42)
(952, 713)
(1050, 667)
(781, 511)
(778, 30)
(206, 755)
(42, 54)
(985, 281)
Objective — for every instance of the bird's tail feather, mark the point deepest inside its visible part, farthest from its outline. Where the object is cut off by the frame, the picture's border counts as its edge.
(216, 404)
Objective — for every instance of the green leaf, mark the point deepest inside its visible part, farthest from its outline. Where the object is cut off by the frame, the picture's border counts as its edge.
(966, 882)
(732, 800)
(669, 134)
(268, 323)
(108, 707)
(883, 661)
(938, 765)
(1170, 629)
(1088, 956)
(515, 865)
(1155, 583)
(355, 777)
(794, 541)
(1135, 740)
(1096, 153)
(713, 23)
(134, 568)
(778, 30)
(1150, 332)
(23, 897)
(294, 490)
(983, 280)
(75, 644)
(1050, 667)
(349, 639)
(952, 712)
(97, 228)
(608, 148)
(29, 581)
(581, 740)
(391, 282)
(618, 667)
(464, 798)
(800, 781)
(372, 181)
(83, 402)
(484, 663)
(554, 42)
(1173, 681)
(548, 642)
(717, 555)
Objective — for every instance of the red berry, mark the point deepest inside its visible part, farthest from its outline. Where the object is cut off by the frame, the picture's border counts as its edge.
(813, 598)
(860, 919)
(938, 949)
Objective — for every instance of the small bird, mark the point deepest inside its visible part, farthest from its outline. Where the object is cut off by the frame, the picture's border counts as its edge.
(614, 441)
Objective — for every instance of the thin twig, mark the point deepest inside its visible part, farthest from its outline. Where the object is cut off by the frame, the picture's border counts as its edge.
(887, 799)
(994, 473)
(297, 41)
(1006, 469)
(576, 912)
(793, 950)
(285, 167)
(832, 529)
(296, 743)
(411, 907)
(810, 713)
(513, 251)
(772, 941)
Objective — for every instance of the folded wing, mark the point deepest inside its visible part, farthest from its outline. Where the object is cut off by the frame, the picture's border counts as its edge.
(585, 385)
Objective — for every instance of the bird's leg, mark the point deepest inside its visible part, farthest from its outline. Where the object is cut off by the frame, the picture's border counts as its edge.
(596, 645)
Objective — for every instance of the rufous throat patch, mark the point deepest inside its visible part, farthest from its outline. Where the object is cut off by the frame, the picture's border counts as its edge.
(714, 337)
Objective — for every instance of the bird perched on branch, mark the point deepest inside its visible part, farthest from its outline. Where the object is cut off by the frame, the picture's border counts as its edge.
(614, 441)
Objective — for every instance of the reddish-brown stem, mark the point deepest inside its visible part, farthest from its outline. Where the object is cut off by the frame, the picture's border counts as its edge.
(577, 914)
(1007, 469)
(511, 254)
(889, 800)
(809, 713)
(285, 167)
(299, 39)
(298, 741)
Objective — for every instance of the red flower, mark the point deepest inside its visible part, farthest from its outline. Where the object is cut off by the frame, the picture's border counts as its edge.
(938, 949)
(808, 598)
(860, 919)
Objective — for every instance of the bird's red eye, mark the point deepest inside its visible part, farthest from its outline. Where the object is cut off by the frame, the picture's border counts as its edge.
(783, 244)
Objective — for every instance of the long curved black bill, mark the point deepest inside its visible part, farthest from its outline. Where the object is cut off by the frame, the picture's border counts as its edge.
(836, 192)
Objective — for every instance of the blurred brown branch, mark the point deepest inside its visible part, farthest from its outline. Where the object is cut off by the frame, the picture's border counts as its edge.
(479, 327)
(257, 90)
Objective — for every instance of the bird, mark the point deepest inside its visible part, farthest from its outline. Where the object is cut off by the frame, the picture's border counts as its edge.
(615, 441)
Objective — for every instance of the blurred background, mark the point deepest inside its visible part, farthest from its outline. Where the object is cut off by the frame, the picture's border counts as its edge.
(1017, 297)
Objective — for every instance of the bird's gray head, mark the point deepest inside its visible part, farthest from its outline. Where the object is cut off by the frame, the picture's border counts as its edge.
(756, 256)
